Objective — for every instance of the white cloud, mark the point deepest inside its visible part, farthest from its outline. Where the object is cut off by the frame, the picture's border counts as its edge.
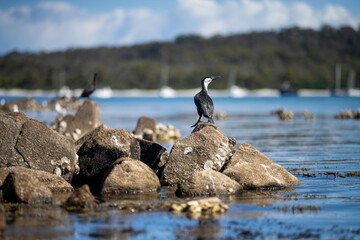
(336, 16)
(57, 25)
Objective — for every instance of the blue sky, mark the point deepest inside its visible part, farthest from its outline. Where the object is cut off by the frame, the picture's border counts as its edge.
(40, 25)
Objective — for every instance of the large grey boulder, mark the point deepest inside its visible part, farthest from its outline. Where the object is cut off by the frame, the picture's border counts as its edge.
(253, 170)
(21, 187)
(130, 176)
(206, 148)
(53, 182)
(29, 143)
(100, 150)
(86, 119)
(208, 182)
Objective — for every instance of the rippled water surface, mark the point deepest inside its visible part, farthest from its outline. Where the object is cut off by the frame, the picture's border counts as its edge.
(324, 154)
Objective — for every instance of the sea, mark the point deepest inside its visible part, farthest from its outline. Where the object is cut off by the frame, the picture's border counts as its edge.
(323, 152)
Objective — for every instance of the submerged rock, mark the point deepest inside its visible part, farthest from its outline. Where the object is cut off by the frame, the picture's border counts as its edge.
(86, 119)
(81, 199)
(130, 176)
(31, 144)
(206, 148)
(348, 114)
(100, 150)
(207, 183)
(283, 114)
(253, 170)
(200, 208)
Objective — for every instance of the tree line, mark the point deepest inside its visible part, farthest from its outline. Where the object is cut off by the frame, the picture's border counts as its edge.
(304, 57)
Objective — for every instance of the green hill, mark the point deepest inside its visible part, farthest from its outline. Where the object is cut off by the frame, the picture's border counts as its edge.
(305, 57)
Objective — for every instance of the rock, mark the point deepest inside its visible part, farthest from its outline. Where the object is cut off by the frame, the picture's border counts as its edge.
(283, 114)
(206, 207)
(130, 176)
(146, 128)
(81, 199)
(11, 126)
(2, 220)
(89, 135)
(308, 116)
(205, 148)
(53, 182)
(253, 170)
(99, 152)
(348, 114)
(30, 143)
(167, 133)
(151, 154)
(220, 115)
(208, 182)
(66, 103)
(29, 104)
(86, 119)
(20, 187)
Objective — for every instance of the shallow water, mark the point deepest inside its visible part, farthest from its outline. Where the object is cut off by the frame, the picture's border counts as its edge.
(321, 153)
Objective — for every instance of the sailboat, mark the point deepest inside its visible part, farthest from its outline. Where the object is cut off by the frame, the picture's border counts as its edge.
(338, 91)
(234, 90)
(166, 91)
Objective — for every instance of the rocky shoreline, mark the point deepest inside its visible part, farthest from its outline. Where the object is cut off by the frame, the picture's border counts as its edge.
(83, 160)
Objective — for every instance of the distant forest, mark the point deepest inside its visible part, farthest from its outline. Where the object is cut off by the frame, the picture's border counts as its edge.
(304, 57)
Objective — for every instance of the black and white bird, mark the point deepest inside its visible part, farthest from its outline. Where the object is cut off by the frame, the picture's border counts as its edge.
(91, 88)
(203, 102)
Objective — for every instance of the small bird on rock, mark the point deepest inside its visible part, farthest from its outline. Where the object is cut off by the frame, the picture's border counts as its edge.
(203, 102)
(90, 89)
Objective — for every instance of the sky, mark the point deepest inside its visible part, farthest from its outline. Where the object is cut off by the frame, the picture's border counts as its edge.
(50, 25)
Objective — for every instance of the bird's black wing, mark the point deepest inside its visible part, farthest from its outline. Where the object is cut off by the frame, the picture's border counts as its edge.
(197, 101)
(205, 104)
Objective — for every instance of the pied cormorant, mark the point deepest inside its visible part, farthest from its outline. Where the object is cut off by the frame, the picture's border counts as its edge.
(203, 102)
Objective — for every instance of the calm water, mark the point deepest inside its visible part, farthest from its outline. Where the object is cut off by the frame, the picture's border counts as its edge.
(320, 153)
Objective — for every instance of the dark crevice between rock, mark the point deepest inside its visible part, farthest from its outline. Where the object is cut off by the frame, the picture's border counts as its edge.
(17, 150)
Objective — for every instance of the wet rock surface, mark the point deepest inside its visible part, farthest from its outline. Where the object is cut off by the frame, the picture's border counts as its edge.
(29, 143)
(130, 176)
(252, 169)
(86, 119)
(81, 199)
(208, 183)
(205, 148)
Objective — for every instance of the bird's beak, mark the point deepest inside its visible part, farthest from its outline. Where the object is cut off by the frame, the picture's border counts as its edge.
(213, 78)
